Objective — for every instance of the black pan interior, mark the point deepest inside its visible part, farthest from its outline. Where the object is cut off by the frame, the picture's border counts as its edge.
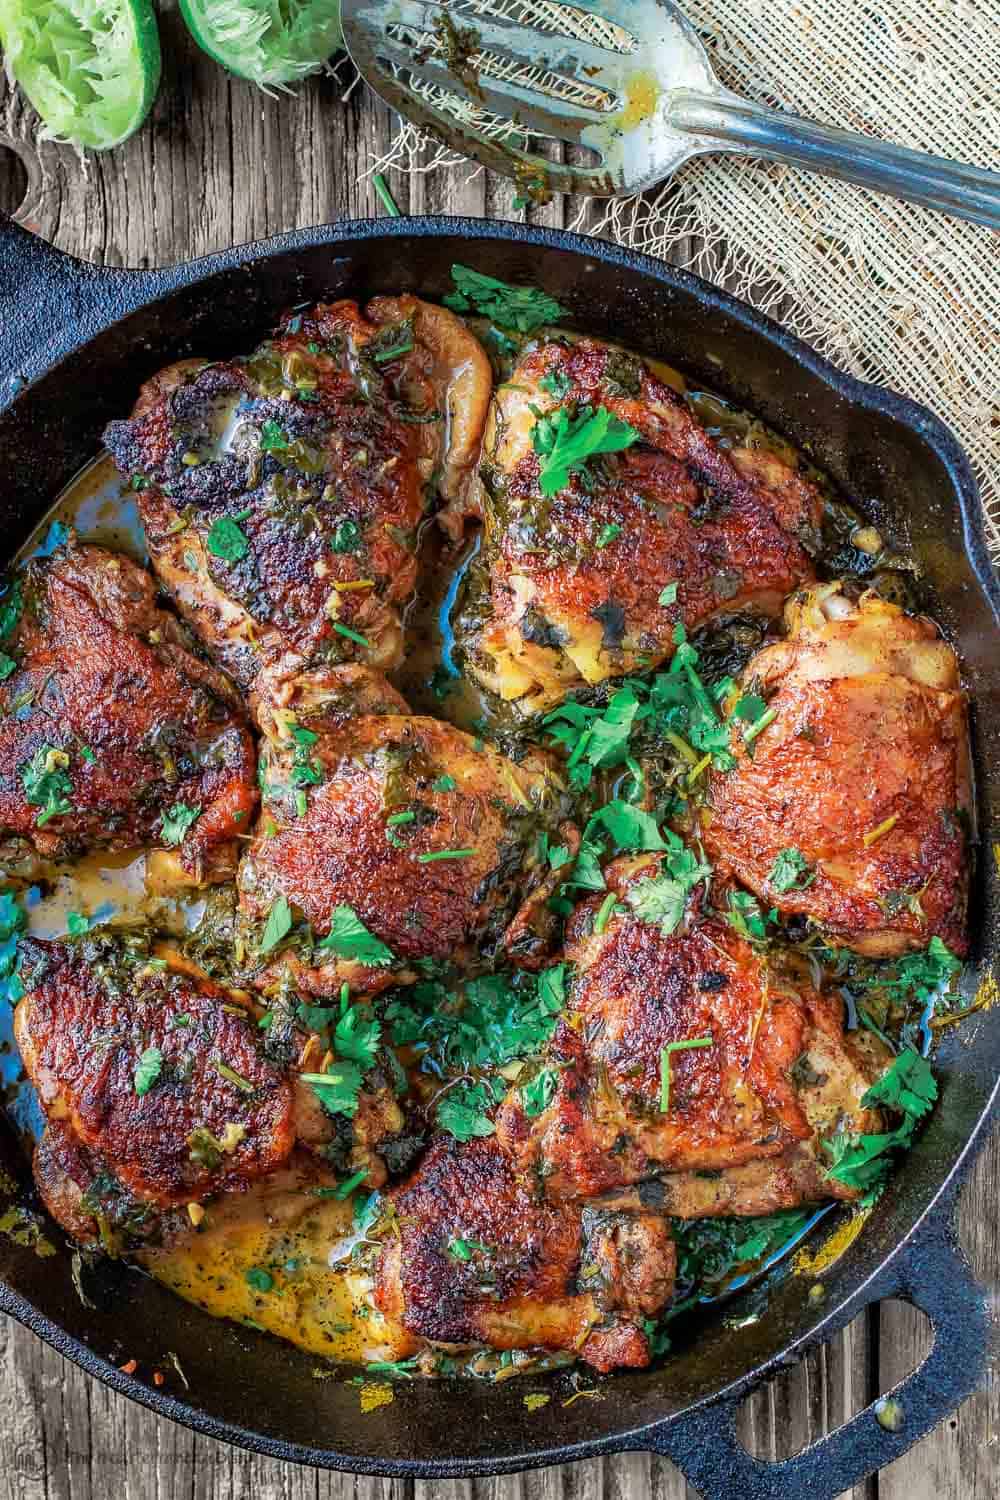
(898, 465)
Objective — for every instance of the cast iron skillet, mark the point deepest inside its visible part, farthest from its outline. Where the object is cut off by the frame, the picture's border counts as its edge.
(75, 342)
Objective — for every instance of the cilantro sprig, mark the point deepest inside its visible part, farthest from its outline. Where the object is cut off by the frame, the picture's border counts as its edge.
(47, 784)
(349, 938)
(863, 1162)
(567, 442)
(522, 308)
(791, 871)
(12, 923)
(176, 823)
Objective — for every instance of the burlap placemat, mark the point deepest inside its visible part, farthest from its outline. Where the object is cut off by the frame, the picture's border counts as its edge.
(890, 292)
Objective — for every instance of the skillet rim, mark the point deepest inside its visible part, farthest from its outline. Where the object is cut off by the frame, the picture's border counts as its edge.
(111, 295)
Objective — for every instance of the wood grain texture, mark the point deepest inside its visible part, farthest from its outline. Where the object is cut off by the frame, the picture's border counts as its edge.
(219, 163)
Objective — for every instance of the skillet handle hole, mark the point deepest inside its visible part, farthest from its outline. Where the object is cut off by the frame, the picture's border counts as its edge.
(835, 1381)
(14, 178)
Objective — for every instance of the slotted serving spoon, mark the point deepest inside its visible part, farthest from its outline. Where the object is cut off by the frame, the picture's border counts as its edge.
(627, 79)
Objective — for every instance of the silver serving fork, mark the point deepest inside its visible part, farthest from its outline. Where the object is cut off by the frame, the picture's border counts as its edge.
(629, 81)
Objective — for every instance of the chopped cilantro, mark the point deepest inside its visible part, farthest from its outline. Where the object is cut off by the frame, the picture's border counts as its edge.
(12, 924)
(348, 937)
(176, 823)
(462, 1110)
(565, 443)
(608, 534)
(46, 784)
(346, 537)
(462, 1249)
(337, 1089)
(861, 1161)
(490, 1021)
(536, 1095)
(273, 438)
(277, 926)
(227, 540)
(523, 308)
(791, 871)
(746, 917)
(444, 784)
(259, 1279)
(557, 383)
(148, 1071)
(76, 925)
(668, 594)
(661, 899)
(356, 1036)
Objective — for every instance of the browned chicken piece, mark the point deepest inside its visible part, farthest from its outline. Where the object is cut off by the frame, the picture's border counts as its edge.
(160, 1074)
(109, 724)
(281, 493)
(567, 591)
(404, 825)
(863, 775)
(749, 1066)
(478, 1259)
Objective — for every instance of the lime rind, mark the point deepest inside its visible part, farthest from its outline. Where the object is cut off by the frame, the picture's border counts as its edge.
(91, 68)
(269, 42)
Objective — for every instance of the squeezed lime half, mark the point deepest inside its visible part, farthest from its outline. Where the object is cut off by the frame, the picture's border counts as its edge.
(269, 42)
(91, 68)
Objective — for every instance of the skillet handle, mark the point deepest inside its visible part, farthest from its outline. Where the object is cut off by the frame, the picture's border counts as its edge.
(932, 1273)
(50, 303)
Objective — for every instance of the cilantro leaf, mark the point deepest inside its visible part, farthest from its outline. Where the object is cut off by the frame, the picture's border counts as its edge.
(661, 899)
(523, 308)
(46, 783)
(76, 925)
(608, 534)
(791, 871)
(337, 1089)
(908, 1087)
(462, 1110)
(565, 443)
(356, 1036)
(148, 1071)
(227, 540)
(627, 826)
(346, 537)
(176, 822)
(277, 926)
(273, 438)
(537, 1095)
(444, 784)
(668, 594)
(746, 917)
(10, 609)
(12, 924)
(349, 938)
(557, 383)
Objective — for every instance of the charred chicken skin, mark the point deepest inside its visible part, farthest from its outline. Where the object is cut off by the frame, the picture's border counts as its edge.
(864, 771)
(151, 1070)
(684, 1054)
(480, 1260)
(568, 591)
(110, 721)
(281, 493)
(430, 842)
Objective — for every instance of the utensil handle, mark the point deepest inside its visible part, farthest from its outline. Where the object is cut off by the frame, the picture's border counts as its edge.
(932, 1273)
(967, 192)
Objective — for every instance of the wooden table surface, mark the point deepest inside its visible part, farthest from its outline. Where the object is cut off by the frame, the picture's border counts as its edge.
(219, 163)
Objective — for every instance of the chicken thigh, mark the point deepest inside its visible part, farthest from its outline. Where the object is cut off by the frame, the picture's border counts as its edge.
(588, 573)
(112, 732)
(393, 839)
(852, 808)
(478, 1259)
(683, 1053)
(281, 493)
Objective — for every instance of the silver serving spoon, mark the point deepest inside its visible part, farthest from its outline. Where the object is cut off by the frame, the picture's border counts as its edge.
(627, 79)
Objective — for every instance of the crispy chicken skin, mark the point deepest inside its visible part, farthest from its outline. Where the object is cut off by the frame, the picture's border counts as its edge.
(89, 1014)
(864, 770)
(478, 1259)
(568, 589)
(346, 819)
(281, 493)
(752, 1094)
(105, 691)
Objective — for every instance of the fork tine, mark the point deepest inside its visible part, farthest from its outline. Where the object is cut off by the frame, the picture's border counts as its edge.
(523, 44)
(500, 95)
